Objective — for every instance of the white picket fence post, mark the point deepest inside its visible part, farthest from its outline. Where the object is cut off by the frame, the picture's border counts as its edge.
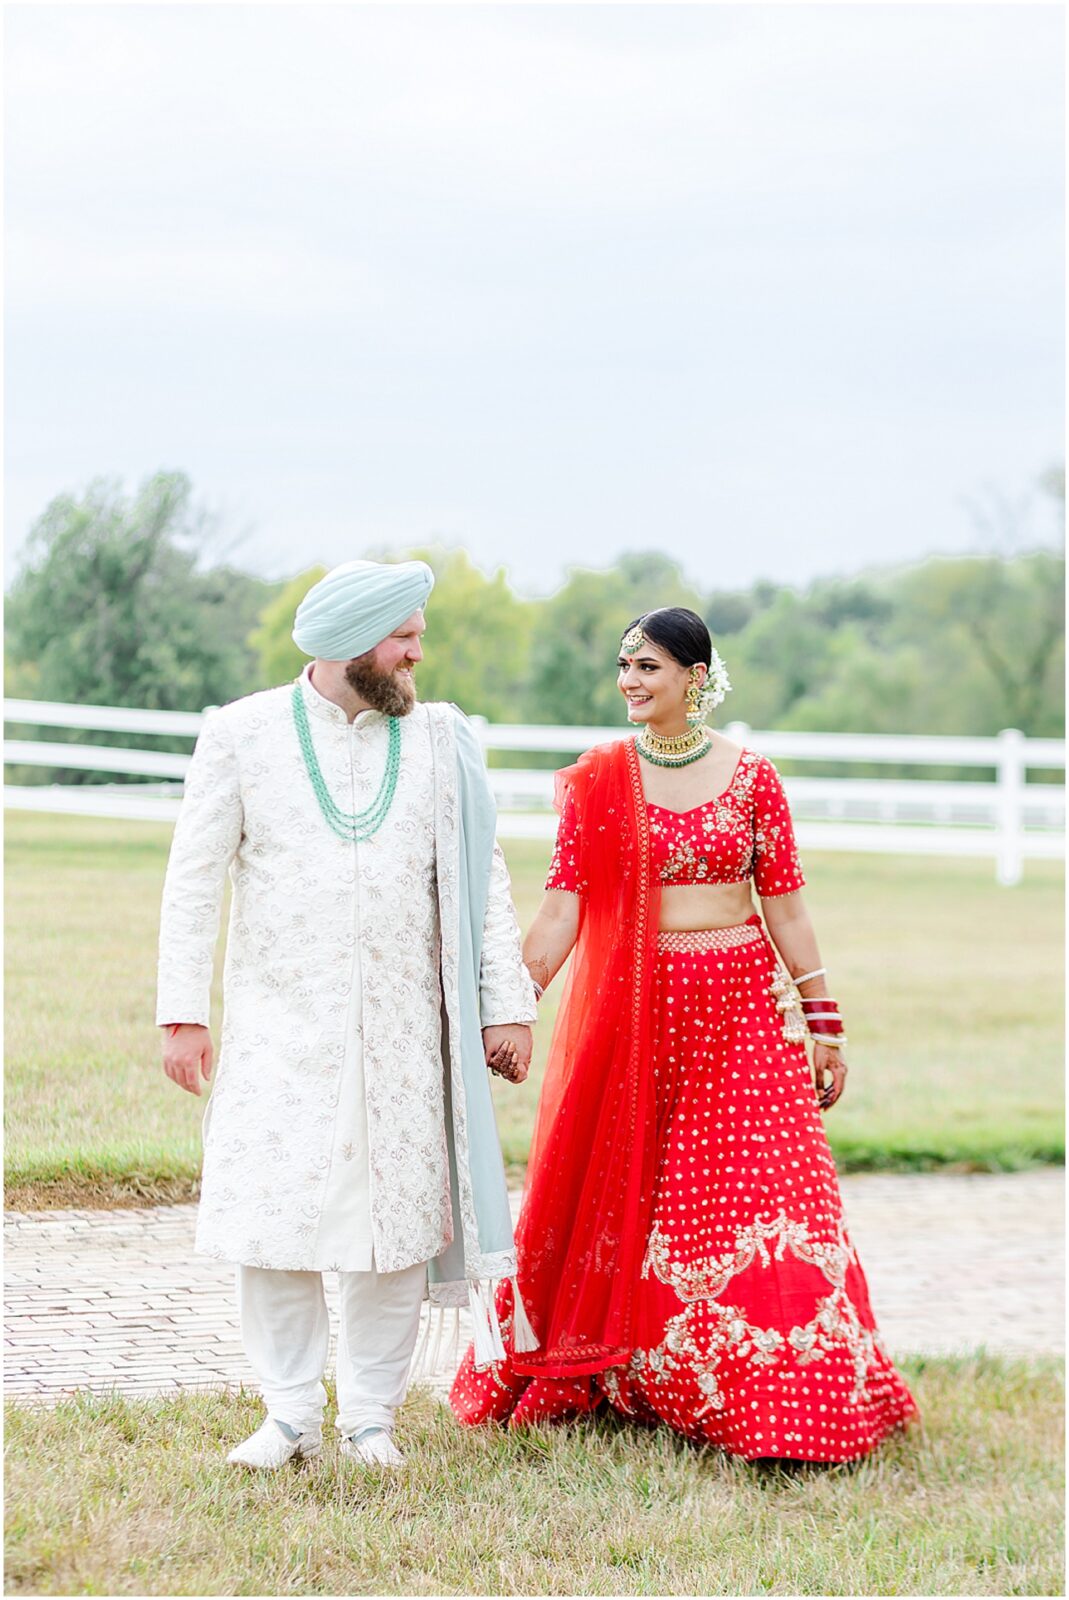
(1011, 776)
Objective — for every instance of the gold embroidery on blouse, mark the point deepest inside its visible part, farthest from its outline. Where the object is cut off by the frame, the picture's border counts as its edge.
(685, 862)
(731, 810)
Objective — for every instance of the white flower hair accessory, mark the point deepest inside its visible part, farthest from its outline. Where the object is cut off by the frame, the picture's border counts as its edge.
(717, 683)
(701, 699)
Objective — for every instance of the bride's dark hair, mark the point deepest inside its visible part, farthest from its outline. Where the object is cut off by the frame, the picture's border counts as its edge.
(679, 631)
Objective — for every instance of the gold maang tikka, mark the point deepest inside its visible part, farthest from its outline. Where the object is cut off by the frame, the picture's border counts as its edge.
(632, 642)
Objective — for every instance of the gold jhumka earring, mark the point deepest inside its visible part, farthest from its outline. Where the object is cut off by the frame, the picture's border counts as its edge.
(696, 699)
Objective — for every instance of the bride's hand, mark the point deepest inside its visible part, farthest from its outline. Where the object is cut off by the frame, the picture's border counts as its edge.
(829, 1075)
(508, 1050)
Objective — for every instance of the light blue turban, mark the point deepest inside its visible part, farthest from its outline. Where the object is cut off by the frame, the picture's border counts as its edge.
(358, 605)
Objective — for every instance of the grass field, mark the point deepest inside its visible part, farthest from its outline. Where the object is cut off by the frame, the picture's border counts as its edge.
(117, 1497)
(949, 985)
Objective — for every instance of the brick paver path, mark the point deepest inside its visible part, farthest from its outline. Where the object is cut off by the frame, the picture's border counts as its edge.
(106, 1300)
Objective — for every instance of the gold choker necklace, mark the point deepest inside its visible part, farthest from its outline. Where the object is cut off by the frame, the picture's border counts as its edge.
(673, 750)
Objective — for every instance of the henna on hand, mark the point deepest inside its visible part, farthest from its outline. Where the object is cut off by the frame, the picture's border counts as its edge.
(539, 970)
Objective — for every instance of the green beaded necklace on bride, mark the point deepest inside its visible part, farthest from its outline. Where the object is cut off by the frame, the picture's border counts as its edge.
(354, 827)
(673, 750)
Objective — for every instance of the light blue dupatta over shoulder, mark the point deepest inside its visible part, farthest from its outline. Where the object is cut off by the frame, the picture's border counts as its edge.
(482, 1250)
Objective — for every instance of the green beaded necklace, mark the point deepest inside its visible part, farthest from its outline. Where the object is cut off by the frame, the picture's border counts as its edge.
(358, 828)
(673, 750)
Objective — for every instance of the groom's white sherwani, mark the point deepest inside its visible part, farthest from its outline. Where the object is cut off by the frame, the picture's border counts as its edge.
(325, 1136)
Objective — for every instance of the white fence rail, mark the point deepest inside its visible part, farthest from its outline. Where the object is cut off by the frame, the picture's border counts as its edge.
(1003, 815)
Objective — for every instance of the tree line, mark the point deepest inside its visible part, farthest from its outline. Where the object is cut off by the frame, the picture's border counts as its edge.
(123, 599)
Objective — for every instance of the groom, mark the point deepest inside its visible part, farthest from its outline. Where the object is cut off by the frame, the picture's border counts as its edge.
(373, 972)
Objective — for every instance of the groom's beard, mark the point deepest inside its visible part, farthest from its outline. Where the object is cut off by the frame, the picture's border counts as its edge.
(392, 693)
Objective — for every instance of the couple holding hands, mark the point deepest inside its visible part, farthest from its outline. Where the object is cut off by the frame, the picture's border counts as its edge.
(681, 1254)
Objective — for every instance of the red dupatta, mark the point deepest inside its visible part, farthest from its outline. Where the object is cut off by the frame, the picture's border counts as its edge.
(583, 1229)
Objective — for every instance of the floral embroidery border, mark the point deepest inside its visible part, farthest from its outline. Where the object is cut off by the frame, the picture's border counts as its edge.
(834, 1324)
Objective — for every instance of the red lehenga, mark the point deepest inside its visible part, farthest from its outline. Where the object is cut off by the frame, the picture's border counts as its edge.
(682, 1251)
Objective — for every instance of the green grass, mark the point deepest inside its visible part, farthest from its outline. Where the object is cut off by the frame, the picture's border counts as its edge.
(122, 1497)
(950, 987)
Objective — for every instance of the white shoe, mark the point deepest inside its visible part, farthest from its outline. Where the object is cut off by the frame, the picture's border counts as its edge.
(270, 1447)
(373, 1447)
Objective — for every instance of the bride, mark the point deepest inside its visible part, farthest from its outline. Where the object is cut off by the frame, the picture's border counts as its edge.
(682, 1251)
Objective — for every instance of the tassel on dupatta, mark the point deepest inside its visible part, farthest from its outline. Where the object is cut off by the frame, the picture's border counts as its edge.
(523, 1335)
(436, 1349)
(486, 1330)
(419, 1369)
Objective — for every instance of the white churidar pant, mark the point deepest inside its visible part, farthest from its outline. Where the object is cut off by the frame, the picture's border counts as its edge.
(285, 1329)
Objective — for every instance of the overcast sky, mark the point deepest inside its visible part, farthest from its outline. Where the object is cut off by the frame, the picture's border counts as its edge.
(773, 289)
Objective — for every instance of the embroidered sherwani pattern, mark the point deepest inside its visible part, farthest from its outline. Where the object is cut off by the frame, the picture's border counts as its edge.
(333, 975)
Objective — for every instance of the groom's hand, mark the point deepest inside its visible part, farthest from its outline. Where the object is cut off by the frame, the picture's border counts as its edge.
(508, 1050)
(187, 1055)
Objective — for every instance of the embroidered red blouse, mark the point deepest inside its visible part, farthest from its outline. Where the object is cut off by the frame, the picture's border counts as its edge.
(744, 832)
